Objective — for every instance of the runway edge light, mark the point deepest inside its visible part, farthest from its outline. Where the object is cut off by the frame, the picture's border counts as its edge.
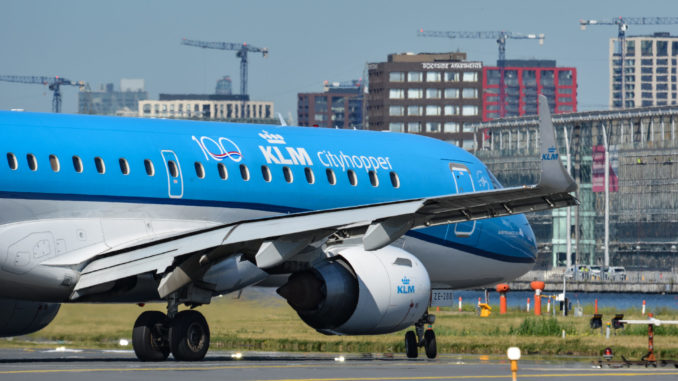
(513, 354)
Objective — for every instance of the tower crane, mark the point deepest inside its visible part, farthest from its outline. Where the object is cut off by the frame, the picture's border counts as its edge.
(622, 24)
(241, 52)
(500, 37)
(54, 84)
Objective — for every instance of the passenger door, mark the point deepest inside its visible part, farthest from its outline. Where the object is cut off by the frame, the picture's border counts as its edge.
(463, 182)
(175, 182)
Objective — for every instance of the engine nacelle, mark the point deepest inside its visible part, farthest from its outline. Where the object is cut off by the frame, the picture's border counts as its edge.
(361, 292)
(20, 317)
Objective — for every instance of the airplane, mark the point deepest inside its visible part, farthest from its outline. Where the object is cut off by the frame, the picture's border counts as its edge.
(354, 228)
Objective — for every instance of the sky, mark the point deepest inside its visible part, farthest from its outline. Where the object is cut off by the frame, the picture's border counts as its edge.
(309, 42)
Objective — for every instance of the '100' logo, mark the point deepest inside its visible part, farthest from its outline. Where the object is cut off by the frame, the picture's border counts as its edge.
(219, 149)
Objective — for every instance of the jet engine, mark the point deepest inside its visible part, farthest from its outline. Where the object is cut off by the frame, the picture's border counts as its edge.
(360, 292)
(19, 317)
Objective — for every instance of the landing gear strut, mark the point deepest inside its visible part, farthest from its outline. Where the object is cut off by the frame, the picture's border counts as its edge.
(185, 334)
(422, 338)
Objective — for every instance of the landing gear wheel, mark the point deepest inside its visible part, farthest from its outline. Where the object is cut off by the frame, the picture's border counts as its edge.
(430, 344)
(189, 336)
(149, 337)
(411, 346)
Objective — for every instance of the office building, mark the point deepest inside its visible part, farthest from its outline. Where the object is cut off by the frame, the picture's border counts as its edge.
(649, 71)
(220, 106)
(433, 94)
(108, 101)
(523, 81)
(232, 108)
(340, 105)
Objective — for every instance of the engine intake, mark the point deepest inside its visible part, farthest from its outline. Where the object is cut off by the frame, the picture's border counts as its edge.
(361, 292)
(325, 296)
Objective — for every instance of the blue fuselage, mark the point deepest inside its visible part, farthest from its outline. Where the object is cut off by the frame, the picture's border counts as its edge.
(72, 166)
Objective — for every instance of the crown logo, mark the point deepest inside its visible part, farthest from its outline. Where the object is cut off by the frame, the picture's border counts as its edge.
(552, 149)
(405, 280)
(272, 138)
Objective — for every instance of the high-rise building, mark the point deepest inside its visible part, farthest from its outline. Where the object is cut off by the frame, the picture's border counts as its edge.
(433, 94)
(649, 71)
(108, 101)
(340, 105)
(524, 80)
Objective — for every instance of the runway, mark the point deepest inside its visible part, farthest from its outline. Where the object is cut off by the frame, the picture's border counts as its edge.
(71, 365)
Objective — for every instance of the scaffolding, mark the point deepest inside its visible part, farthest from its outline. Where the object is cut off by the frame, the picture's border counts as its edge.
(643, 164)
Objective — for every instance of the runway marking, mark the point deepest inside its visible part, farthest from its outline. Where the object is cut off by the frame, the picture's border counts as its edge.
(82, 370)
(466, 377)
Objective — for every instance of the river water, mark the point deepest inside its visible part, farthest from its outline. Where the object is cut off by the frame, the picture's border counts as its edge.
(620, 301)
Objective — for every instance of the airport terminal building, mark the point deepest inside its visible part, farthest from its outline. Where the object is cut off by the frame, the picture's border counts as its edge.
(643, 183)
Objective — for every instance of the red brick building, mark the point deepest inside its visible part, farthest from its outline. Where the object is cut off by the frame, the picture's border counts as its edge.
(523, 81)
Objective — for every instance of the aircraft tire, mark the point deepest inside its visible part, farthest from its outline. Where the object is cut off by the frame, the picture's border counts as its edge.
(430, 344)
(411, 347)
(189, 336)
(149, 338)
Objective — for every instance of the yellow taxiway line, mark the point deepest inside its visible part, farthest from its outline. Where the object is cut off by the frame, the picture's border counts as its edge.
(578, 374)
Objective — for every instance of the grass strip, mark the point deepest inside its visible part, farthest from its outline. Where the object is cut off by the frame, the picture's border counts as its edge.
(271, 325)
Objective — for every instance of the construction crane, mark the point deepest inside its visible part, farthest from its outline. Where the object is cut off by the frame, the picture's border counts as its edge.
(622, 24)
(54, 84)
(241, 49)
(500, 37)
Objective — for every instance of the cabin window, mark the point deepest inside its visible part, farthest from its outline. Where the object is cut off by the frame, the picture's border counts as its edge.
(352, 178)
(124, 166)
(173, 169)
(266, 173)
(199, 170)
(374, 180)
(395, 181)
(331, 178)
(244, 172)
(99, 163)
(54, 163)
(32, 163)
(11, 160)
(150, 169)
(223, 173)
(288, 174)
(310, 178)
(77, 164)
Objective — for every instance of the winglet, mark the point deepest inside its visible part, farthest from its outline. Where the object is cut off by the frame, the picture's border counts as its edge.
(554, 177)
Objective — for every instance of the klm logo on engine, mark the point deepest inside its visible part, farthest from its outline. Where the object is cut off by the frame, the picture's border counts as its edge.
(550, 155)
(405, 287)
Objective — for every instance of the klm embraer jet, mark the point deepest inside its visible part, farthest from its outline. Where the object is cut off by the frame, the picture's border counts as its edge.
(355, 228)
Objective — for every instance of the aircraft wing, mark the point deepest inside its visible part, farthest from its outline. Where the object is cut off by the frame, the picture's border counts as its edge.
(273, 240)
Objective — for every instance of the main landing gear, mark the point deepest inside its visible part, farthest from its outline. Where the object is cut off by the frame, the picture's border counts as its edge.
(185, 334)
(422, 338)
